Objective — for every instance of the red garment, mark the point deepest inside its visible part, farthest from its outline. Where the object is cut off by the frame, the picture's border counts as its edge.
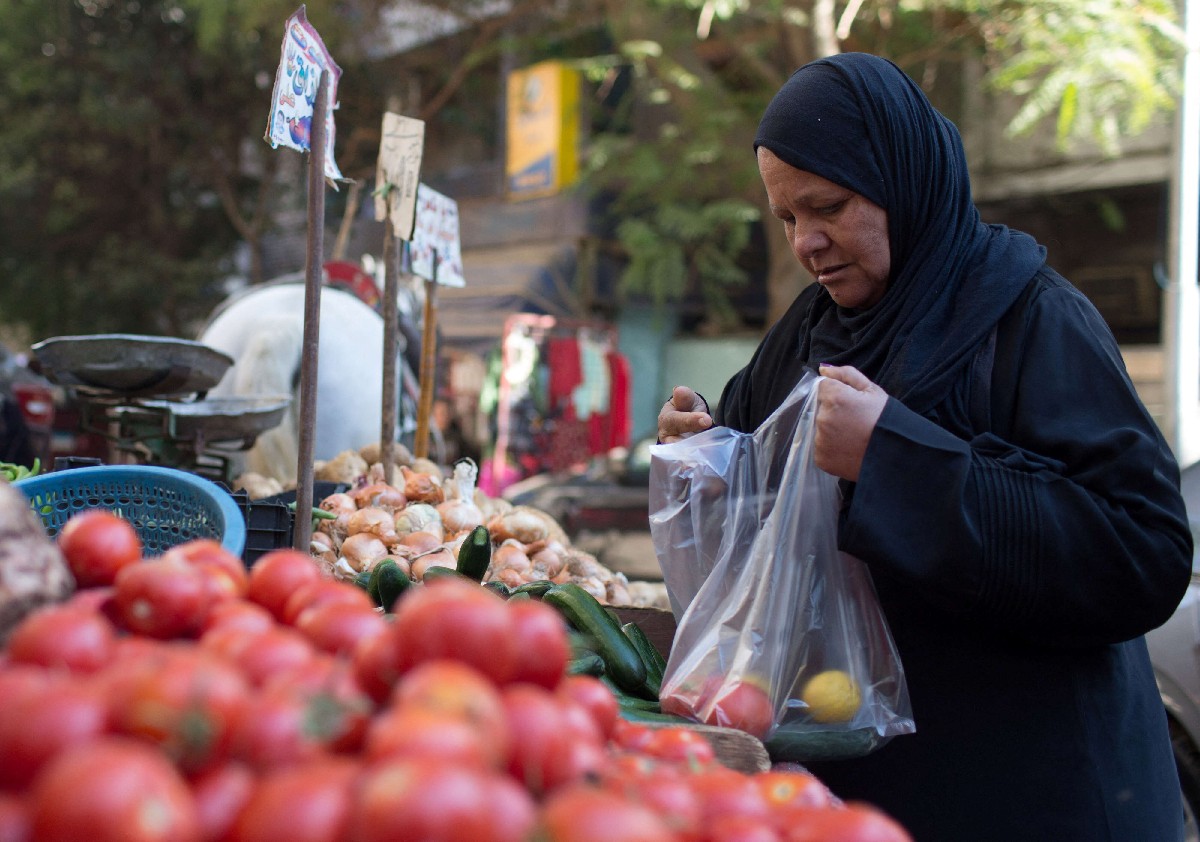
(566, 372)
(619, 402)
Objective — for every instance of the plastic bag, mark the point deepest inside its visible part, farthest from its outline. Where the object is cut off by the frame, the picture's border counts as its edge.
(778, 632)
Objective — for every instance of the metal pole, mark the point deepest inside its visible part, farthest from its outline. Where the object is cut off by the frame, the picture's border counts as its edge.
(302, 533)
(387, 431)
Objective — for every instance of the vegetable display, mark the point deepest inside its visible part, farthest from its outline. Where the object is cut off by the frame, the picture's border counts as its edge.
(186, 698)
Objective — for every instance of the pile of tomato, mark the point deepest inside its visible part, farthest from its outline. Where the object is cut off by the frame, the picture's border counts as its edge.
(185, 698)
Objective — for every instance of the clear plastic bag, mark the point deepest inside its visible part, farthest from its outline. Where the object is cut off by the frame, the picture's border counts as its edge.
(778, 632)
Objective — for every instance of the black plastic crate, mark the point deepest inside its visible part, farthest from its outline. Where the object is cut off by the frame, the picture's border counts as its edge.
(269, 526)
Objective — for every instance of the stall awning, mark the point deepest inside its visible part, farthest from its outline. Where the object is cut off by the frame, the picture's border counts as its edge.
(535, 278)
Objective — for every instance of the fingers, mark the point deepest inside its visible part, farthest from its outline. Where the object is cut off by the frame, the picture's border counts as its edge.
(685, 399)
(847, 374)
(681, 416)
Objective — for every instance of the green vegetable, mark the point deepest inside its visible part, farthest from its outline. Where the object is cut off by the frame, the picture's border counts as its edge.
(650, 657)
(14, 472)
(436, 571)
(588, 663)
(388, 583)
(650, 717)
(585, 613)
(498, 587)
(536, 589)
(475, 554)
(801, 744)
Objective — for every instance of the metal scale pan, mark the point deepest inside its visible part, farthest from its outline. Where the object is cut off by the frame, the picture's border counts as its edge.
(233, 419)
(131, 365)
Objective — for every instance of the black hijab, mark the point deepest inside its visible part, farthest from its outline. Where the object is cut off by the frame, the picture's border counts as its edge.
(859, 121)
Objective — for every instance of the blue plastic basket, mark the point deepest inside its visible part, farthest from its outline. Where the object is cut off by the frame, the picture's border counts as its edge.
(166, 506)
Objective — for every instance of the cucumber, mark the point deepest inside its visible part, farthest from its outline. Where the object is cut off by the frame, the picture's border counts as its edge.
(536, 589)
(649, 717)
(803, 744)
(436, 571)
(650, 657)
(499, 588)
(588, 663)
(475, 554)
(363, 580)
(585, 613)
(628, 699)
(390, 583)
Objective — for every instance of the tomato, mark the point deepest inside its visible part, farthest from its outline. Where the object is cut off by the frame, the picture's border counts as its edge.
(220, 794)
(162, 598)
(454, 688)
(327, 684)
(376, 665)
(590, 692)
(581, 813)
(668, 794)
(542, 645)
(96, 544)
(855, 822)
(272, 651)
(632, 736)
(308, 802)
(458, 619)
(239, 614)
(213, 558)
(723, 792)
(277, 575)
(427, 734)
(320, 592)
(433, 801)
(785, 789)
(681, 745)
(14, 819)
(540, 754)
(338, 627)
(112, 789)
(39, 724)
(185, 703)
(744, 706)
(741, 829)
(277, 727)
(59, 636)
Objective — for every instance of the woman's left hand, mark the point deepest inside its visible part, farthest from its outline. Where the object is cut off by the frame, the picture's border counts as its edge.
(848, 407)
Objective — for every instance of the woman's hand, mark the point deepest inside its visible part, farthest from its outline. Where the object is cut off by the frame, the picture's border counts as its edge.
(684, 414)
(848, 407)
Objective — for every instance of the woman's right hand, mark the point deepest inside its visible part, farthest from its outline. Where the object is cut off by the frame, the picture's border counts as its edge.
(685, 414)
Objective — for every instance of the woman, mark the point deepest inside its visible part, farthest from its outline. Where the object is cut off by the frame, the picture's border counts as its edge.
(1016, 504)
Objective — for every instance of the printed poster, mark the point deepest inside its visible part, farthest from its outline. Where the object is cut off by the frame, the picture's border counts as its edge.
(303, 59)
(437, 228)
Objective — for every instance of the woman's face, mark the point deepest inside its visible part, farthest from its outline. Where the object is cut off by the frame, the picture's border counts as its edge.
(836, 234)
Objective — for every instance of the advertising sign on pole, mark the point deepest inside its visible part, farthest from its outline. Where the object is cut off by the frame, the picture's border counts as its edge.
(542, 129)
(436, 251)
(398, 171)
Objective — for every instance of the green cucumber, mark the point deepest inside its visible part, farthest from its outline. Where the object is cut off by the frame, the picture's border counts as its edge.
(363, 580)
(629, 700)
(536, 589)
(475, 554)
(435, 571)
(650, 657)
(390, 583)
(803, 744)
(649, 717)
(585, 613)
(588, 663)
(499, 588)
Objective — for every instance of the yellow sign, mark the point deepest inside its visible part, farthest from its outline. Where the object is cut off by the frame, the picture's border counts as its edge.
(543, 129)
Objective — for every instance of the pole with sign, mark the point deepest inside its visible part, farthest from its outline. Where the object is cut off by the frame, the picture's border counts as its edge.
(436, 257)
(302, 105)
(401, 147)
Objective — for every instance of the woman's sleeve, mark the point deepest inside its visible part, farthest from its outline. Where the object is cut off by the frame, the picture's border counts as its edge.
(1073, 532)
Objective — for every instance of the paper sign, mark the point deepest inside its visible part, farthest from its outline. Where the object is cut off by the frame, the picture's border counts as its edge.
(396, 174)
(437, 228)
(303, 60)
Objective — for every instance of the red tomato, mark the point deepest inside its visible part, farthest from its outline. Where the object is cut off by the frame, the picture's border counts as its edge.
(112, 789)
(162, 598)
(434, 801)
(38, 725)
(277, 575)
(456, 618)
(421, 733)
(632, 736)
(542, 645)
(785, 789)
(746, 707)
(338, 627)
(668, 794)
(681, 745)
(852, 823)
(376, 665)
(590, 692)
(327, 684)
(272, 651)
(239, 614)
(210, 556)
(540, 755)
(14, 819)
(185, 703)
(741, 829)
(96, 544)
(453, 688)
(277, 728)
(220, 794)
(723, 792)
(309, 802)
(63, 637)
(320, 592)
(582, 813)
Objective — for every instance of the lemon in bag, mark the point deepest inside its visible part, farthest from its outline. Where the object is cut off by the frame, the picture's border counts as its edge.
(831, 696)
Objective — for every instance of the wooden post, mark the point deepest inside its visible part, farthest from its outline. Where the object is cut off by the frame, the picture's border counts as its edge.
(387, 431)
(302, 533)
(428, 364)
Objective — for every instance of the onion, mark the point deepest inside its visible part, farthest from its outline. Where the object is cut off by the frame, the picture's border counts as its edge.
(375, 520)
(419, 517)
(422, 542)
(381, 495)
(424, 488)
(361, 551)
(440, 557)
